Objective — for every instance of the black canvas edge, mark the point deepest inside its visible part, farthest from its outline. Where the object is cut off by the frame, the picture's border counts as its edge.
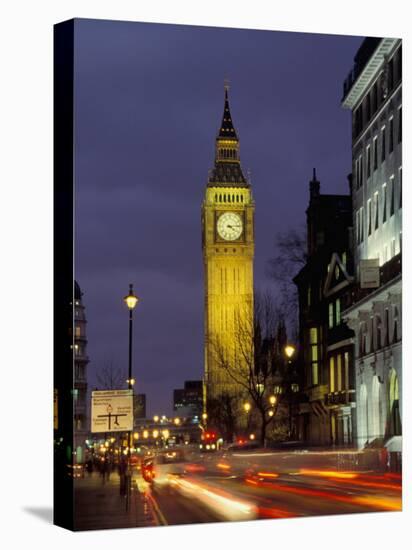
(63, 265)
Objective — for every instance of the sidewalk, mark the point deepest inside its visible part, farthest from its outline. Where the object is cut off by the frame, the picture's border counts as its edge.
(99, 505)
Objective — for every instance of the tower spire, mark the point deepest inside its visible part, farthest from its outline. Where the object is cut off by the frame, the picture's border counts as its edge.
(227, 169)
(227, 129)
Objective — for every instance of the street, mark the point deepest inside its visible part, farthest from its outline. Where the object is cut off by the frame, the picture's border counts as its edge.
(240, 486)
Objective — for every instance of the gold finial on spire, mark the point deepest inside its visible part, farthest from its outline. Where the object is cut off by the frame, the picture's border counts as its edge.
(226, 84)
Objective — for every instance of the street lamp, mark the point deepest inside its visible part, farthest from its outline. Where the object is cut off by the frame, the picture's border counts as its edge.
(292, 387)
(247, 407)
(156, 418)
(131, 301)
(272, 399)
(289, 351)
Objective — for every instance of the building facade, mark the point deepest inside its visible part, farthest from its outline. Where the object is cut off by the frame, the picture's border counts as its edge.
(228, 251)
(139, 405)
(373, 93)
(326, 413)
(188, 401)
(81, 360)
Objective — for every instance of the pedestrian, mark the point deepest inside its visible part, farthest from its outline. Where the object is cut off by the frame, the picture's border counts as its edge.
(122, 474)
(89, 466)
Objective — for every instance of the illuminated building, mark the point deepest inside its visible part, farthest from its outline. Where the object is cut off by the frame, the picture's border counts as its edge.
(228, 250)
(81, 360)
(326, 343)
(373, 93)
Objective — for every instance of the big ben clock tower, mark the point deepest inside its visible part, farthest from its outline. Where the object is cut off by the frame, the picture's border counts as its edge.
(228, 250)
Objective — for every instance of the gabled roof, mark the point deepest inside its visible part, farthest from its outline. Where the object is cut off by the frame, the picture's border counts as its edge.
(338, 277)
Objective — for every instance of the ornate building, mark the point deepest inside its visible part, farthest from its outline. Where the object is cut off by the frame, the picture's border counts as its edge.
(325, 342)
(81, 360)
(373, 93)
(228, 250)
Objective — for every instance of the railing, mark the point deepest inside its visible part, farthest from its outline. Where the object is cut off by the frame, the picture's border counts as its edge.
(343, 397)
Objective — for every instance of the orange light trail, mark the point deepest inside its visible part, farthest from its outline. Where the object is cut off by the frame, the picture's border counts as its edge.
(328, 473)
(267, 474)
(223, 466)
(374, 502)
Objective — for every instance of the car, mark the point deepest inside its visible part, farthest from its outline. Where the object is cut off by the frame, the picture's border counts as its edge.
(158, 469)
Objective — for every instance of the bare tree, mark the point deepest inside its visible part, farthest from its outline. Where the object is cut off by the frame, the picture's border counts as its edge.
(289, 257)
(110, 377)
(222, 414)
(250, 364)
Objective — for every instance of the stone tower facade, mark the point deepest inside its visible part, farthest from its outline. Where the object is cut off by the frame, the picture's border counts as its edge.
(228, 251)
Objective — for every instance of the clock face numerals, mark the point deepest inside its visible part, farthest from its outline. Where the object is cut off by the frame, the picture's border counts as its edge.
(229, 226)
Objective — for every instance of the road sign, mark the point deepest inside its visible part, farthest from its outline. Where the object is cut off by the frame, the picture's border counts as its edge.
(112, 411)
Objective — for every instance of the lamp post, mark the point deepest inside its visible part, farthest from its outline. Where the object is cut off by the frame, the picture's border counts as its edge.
(131, 302)
(289, 351)
(247, 407)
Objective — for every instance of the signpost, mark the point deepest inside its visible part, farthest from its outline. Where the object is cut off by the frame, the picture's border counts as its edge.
(112, 411)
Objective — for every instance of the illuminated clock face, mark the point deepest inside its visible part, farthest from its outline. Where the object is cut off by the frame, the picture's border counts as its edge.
(229, 226)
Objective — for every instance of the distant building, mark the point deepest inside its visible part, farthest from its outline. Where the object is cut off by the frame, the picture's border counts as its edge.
(373, 93)
(139, 406)
(81, 360)
(326, 343)
(189, 400)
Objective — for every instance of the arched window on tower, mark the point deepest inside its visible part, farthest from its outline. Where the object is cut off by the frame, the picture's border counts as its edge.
(220, 198)
(241, 198)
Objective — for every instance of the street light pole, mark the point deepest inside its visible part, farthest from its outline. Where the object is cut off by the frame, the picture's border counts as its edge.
(131, 302)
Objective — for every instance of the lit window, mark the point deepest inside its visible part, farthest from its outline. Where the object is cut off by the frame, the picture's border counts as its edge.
(332, 374)
(383, 144)
(337, 311)
(369, 217)
(346, 367)
(392, 205)
(331, 315)
(376, 197)
(368, 161)
(339, 369)
(314, 355)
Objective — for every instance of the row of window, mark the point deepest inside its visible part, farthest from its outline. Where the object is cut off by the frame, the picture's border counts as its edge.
(376, 152)
(379, 332)
(376, 214)
(339, 372)
(334, 313)
(228, 198)
(227, 154)
(390, 76)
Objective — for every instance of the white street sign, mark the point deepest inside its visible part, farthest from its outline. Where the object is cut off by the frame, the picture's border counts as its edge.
(112, 411)
(369, 273)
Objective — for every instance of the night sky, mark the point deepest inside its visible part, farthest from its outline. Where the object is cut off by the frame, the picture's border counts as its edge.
(148, 103)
